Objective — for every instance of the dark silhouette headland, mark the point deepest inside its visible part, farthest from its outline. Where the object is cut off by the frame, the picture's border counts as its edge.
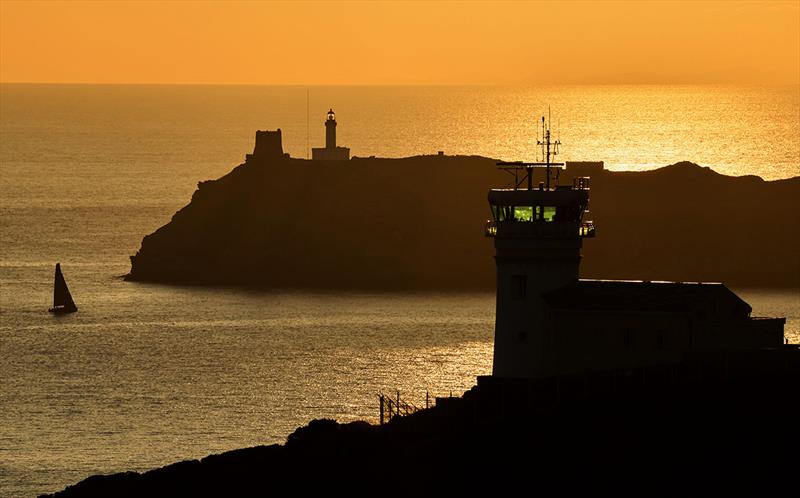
(631, 387)
(371, 223)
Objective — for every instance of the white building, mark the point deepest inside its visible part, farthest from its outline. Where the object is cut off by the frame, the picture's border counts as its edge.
(549, 323)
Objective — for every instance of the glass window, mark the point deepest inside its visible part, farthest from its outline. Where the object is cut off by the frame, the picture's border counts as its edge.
(549, 213)
(523, 213)
(500, 213)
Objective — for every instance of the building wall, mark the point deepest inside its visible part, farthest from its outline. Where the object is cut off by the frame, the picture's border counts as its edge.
(580, 341)
(325, 154)
(583, 341)
(527, 268)
(584, 168)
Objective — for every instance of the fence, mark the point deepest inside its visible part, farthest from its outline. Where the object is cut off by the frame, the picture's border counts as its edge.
(391, 407)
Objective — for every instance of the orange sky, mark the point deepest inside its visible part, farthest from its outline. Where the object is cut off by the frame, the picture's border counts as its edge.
(400, 42)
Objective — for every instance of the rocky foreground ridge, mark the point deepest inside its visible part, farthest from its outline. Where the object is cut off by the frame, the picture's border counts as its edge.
(417, 223)
(688, 431)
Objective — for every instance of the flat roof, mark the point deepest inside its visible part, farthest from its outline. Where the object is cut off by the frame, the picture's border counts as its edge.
(521, 197)
(643, 295)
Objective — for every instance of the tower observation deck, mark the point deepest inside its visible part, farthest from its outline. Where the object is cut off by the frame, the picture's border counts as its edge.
(538, 231)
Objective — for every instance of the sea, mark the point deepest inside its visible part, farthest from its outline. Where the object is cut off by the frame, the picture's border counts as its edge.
(145, 375)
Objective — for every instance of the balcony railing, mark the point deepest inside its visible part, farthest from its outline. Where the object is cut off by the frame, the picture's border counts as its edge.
(538, 229)
(586, 229)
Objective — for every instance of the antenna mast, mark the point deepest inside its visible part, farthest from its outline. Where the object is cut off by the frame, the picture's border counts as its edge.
(549, 148)
(307, 132)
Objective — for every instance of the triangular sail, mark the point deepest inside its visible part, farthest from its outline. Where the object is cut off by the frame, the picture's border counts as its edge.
(61, 295)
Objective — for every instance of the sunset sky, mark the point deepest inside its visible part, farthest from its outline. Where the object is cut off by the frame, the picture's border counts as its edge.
(400, 42)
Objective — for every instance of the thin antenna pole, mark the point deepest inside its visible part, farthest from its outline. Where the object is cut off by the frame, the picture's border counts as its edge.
(547, 134)
(307, 128)
(542, 137)
(549, 147)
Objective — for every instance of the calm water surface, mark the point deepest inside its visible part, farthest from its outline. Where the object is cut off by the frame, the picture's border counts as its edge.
(145, 375)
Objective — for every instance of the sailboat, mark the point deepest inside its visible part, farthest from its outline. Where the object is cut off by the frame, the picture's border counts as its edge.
(62, 299)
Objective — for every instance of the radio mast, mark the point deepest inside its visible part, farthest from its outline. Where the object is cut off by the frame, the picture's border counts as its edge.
(549, 149)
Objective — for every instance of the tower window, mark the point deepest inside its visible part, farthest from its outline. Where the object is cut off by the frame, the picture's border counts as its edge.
(523, 213)
(519, 286)
(660, 340)
(628, 339)
(502, 213)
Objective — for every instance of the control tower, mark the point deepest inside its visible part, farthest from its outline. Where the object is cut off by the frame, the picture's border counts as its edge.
(538, 231)
(330, 152)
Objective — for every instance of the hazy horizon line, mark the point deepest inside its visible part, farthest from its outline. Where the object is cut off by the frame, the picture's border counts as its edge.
(516, 85)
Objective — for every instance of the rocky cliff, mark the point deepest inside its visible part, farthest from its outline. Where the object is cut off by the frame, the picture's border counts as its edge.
(417, 223)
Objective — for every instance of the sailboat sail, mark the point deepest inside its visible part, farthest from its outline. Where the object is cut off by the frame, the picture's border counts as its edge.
(62, 299)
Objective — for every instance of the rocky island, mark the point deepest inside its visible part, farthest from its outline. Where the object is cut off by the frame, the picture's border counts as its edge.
(410, 223)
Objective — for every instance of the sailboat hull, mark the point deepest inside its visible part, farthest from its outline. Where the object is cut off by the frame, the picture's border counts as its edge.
(62, 310)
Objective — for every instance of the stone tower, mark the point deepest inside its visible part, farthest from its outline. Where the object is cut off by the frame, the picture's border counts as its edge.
(268, 144)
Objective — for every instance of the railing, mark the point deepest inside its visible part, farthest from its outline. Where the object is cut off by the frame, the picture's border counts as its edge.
(538, 229)
(491, 228)
(394, 407)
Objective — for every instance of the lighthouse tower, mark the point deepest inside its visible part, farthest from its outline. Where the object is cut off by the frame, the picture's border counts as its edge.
(537, 231)
(330, 130)
(331, 152)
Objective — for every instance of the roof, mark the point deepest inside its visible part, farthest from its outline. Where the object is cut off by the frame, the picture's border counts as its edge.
(637, 295)
(524, 197)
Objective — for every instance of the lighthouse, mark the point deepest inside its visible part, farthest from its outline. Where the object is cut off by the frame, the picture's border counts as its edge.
(330, 130)
(538, 232)
(331, 152)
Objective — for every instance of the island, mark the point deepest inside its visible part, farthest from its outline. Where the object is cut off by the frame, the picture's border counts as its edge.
(411, 224)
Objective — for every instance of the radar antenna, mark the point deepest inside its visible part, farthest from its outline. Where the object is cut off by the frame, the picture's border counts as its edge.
(549, 149)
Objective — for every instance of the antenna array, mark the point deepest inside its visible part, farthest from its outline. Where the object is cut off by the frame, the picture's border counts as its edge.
(549, 149)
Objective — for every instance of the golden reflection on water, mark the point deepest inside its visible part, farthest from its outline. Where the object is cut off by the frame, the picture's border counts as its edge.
(145, 375)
